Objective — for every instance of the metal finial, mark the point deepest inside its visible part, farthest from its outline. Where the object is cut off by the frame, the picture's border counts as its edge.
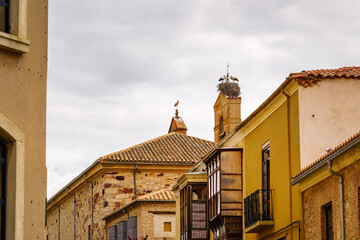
(227, 72)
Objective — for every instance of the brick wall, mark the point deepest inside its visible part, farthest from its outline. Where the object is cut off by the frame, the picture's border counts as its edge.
(328, 191)
(111, 191)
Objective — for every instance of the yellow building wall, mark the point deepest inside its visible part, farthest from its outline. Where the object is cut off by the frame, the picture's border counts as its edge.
(23, 106)
(274, 129)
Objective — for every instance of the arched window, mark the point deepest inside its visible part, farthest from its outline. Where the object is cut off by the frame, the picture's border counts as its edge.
(221, 128)
(2, 189)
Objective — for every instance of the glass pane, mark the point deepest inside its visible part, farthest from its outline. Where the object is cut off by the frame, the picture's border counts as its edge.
(218, 203)
(218, 181)
(2, 18)
(199, 192)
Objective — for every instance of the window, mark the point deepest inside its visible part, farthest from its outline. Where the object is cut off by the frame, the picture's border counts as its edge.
(3, 190)
(184, 201)
(328, 222)
(221, 128)
(193, 224)
(112, 233)
(214, 186)
(266, 182)
(89, 232)
(4, 16)
(167, 226)
(132, 227)
(121, 230)
(13, 25)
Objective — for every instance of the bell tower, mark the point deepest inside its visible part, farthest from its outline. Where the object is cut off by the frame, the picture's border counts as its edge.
(227, 106)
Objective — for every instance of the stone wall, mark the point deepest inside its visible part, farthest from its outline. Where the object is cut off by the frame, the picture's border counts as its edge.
(111, 190)
(328, 191)
(150, 219)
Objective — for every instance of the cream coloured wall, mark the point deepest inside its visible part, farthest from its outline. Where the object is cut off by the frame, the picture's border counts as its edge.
(23, 92)
(159, 220)
(329, 112)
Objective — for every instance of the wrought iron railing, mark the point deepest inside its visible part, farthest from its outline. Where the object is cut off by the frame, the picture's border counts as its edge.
(258, 206)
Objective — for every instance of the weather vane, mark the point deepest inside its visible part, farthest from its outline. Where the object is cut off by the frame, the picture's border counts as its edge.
(176, 108)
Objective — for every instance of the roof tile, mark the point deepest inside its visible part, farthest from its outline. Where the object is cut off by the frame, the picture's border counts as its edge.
(344, 72)
(170, 148)
(162, 195)
(332, 152)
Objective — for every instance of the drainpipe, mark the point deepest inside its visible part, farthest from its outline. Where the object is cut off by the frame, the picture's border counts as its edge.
(341, 181)
(91, 225)
(289, 151)
(67, 190)
(58, 219)
(136, 169)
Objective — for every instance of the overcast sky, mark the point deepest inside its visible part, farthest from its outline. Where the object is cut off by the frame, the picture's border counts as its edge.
(117, 67)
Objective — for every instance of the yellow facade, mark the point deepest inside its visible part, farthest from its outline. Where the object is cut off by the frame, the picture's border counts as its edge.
(280, 131)
(23, 73)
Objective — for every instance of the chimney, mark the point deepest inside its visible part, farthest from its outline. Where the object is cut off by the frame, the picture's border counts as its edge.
(177, 124)
(227, 107)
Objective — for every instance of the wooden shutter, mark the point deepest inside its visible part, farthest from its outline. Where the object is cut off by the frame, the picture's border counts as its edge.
(132, 227)
(121, 230)
(112, 233)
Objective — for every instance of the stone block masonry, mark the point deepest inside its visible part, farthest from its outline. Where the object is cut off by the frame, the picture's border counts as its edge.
(111, 191)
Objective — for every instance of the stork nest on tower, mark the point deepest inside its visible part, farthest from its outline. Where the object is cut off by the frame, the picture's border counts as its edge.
(230, 89)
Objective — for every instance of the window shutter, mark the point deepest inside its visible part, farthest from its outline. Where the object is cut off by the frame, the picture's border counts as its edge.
(121, 230)
(112, 233)
(132, 227)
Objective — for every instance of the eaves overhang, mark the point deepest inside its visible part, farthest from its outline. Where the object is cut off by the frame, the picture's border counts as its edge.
(96, 168)
(324, 162)
(220, 149)
(133, 204)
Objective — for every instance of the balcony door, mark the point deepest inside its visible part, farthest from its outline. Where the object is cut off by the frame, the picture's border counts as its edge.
(266, 183)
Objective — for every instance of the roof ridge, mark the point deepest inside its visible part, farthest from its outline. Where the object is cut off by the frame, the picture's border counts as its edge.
(328, 154)
(163, 194)
(137, 145)
(151, 141)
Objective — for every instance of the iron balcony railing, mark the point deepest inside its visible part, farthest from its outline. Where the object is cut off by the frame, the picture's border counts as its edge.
(258, 207)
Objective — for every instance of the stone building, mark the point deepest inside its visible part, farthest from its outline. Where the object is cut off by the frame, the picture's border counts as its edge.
(114, 180)
(23, 74)
(151, 216)
(330, 188)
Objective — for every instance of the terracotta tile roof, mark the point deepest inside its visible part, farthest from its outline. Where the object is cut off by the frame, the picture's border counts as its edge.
(328, 154)
(171, 148)
(310, 78)
(344, 72)
(162, 195)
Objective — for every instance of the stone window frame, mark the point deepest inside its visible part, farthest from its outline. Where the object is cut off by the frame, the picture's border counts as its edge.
(14, 140)
(16, 39)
